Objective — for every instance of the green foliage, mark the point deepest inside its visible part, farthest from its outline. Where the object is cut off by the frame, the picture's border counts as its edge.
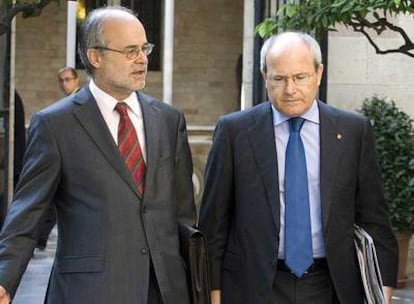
(319, 15)
(395, 143)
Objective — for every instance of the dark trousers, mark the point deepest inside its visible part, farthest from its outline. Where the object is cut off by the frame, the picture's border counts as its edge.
(312, 288)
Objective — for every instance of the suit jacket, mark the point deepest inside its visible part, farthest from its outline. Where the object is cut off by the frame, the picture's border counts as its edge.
(240, 208)
(107, 233)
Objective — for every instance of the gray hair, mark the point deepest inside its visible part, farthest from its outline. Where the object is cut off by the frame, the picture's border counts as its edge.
(91, 31)
(282, 40)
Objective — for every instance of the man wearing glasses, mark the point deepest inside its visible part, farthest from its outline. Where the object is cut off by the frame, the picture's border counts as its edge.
(68, 80)
(117, 166)
(285, 183)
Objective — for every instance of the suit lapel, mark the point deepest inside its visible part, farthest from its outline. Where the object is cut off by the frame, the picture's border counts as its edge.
(91, 120)
(331, 148)
(152, 122)
(262, 140)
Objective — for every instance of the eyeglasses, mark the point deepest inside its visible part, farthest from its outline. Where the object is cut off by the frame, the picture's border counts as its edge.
(130, 52)
(298, 79)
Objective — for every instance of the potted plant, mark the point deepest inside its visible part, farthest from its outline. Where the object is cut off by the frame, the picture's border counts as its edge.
(395, 144)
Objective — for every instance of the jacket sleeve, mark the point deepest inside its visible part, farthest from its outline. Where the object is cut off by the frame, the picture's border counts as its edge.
(217, 202)
(183, 176)
(34, 192)
(372, 210)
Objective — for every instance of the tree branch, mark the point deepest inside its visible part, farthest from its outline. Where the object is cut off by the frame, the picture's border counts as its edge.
(359, 24)
(27, 10)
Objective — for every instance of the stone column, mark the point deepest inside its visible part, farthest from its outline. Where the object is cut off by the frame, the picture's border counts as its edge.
(167, 70)
(248, 60)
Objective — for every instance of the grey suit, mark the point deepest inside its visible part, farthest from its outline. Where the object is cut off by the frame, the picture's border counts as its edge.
(240, 209)
(108, 234)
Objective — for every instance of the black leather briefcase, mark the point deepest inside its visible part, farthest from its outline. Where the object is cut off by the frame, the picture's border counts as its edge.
(193, 248)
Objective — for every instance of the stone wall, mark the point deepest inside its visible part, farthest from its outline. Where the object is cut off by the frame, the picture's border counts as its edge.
(208, 42)
(356, 72)
(40, 52)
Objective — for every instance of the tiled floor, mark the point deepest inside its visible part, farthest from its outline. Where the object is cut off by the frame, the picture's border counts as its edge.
(33, 286)
(404, 295)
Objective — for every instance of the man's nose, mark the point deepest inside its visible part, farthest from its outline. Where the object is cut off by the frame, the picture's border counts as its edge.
(141, 58)
(290, 86)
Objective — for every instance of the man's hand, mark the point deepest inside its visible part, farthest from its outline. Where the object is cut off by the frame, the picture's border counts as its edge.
(215, 297)
(4, 296)
(387, 290)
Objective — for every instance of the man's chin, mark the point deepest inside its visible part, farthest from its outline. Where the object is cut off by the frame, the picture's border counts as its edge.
(140, 86)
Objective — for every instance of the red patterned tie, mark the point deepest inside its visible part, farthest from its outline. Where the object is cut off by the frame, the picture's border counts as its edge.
(130, 148)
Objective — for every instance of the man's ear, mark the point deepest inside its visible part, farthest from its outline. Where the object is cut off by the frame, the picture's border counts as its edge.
(94, 57)
(319, 73)
(264, 75)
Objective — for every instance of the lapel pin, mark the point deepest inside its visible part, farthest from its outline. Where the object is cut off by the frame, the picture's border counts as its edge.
(339, 136)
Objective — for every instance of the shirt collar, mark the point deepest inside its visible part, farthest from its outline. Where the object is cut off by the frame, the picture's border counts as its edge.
(109, 102)
(312, 115)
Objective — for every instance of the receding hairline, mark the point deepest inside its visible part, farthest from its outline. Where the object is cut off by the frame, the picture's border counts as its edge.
(286, 41)
(117, 19)
(68, 69)
(114, 14)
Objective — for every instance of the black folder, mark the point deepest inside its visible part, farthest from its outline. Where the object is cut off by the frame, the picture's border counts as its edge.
(193, 249)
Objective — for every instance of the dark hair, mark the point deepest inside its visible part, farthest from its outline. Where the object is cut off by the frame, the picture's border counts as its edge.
(91, 31)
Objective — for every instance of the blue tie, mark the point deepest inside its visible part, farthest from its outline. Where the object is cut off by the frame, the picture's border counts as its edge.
(298, 240)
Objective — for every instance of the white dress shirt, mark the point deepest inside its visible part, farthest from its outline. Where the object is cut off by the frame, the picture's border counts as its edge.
(106, 104)
(310, 138)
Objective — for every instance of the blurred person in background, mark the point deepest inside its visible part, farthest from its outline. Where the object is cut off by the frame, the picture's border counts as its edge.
(68, 80)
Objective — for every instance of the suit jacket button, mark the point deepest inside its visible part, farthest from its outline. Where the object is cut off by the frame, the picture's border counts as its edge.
(144, 250)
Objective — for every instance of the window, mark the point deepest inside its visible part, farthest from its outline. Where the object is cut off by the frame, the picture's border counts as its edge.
(149, 13)
(83, 7)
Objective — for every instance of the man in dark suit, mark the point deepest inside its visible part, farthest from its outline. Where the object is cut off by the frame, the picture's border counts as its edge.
(117, 226)
(249, 208)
